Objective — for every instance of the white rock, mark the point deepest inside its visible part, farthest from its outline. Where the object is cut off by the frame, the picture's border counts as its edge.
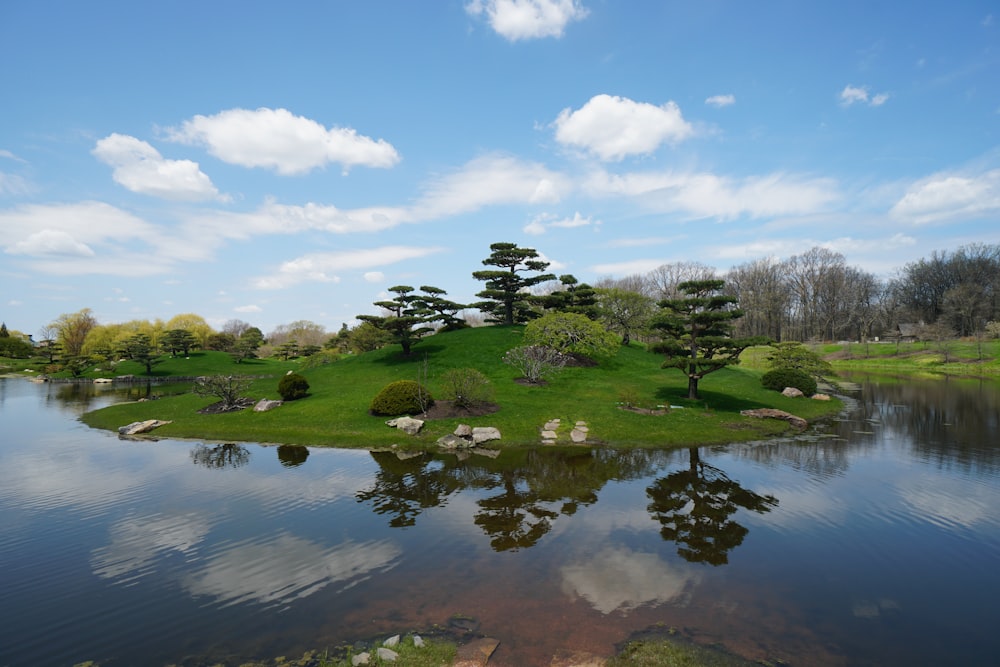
(386, 654)
(463, 431)
(481, 434)
(361, 659)
(407, 425)
(418, 641)
(391, 642)
(792, 392)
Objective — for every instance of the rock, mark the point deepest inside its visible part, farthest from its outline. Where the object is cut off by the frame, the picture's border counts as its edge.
(791, 392)
(386, 654)
(548, 434)
(578, 435)
(407, 425)
(361, 659)
(418, 641)
(135, 428)
(771, 413)
(481, 434)
(463, 431)
(391, 642)
(476, 653)
(103, 380)
(454, 442)
(820, 397)
(551, 425)
(264, 404)
(568, 658)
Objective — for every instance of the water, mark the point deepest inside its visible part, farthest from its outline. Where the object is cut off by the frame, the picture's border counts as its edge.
(872, 540)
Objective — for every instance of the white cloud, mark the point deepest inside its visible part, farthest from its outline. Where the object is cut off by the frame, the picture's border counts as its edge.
(140, 168)
(249, 308)
(628, 268)
(545, 221)
(12, 184)
(620, 578)
(613, 128)
(50, 242)
(851, 95)
(323, 267)
(950, 197)
(276, 139)
(287, 568)
(705, 195)
(720, 101)
(374, 277)
(528, 19)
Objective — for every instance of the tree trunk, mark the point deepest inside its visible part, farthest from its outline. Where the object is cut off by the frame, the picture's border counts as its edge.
(692, 387)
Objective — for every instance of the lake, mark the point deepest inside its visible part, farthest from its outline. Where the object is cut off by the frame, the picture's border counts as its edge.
(873, 539)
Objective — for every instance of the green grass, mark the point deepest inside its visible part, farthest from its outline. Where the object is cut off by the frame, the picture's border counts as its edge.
(336, 411)
(952, 357)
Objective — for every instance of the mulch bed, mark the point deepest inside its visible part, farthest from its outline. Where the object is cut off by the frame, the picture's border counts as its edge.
(219, 408)
(445, 410)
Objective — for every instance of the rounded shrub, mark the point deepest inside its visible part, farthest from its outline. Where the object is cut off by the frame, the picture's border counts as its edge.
(780, 378)
(293, 386)
(402, 397)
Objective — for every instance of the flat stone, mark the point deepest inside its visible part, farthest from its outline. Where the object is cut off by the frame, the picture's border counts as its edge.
(576, 435)
(771, 413)
(463, 431)
(453, 442)
(476, 653)
(135, 428)
(549, 435)
(481, 434)
(581, 423)
(551, 425)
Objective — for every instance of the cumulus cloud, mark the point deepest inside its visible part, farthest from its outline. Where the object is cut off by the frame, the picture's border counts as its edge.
(140, 168)
(852, 95)
(325, 266)
(705, 195)
(613, 128)
(528, 19)
(50, 242)
(950, 197)
(279, 140)
(721, 100)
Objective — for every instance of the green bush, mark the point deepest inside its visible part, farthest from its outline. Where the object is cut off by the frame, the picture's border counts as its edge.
(403, 397)
(780, 378)
(466, 388)
(293, 386)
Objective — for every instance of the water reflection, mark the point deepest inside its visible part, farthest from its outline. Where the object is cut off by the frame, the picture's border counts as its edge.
(292, 456)
(228, 455)
(696, 505)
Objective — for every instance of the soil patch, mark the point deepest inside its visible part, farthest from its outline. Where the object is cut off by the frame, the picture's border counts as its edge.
(447, 410)
(219, 408)
(645, 411)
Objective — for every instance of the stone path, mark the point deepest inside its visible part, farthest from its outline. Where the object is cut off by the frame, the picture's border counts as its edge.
(551, 432)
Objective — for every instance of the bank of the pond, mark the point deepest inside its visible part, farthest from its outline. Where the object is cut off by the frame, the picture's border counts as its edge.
(335, 413)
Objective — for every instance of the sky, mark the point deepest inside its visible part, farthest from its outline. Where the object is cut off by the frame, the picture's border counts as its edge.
(273, 162)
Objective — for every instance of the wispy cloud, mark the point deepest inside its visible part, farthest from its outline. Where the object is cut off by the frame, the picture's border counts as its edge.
(950, 196)
(327, 267)
(547, 221)
(720, 101)
(852, 95)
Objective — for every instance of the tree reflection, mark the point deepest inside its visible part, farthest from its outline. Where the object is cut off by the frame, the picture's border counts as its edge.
(527, 489)
(292, 456)
(404, 488)
(695, 507)
(229, 455)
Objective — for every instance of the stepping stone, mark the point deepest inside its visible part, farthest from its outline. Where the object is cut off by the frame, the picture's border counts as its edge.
(549, 435)
(576, 435)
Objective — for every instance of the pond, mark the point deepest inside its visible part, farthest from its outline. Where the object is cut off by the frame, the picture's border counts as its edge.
(873, 539)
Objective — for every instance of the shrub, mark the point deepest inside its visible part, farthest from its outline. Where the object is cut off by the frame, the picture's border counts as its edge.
(466, 388)
(293, 386)
(403, 397)
(571, 333)
(535, 361)
(780, 378)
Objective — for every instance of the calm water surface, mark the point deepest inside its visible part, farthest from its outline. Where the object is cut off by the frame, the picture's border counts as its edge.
(871, 540)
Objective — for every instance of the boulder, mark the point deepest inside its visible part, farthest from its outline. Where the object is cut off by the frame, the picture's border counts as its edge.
(771, 413)
(386, 654)
(578, 435)
(264, 404)
(463, 431)
(820, 397)
(363, 658)
(135, 428)
(481, 434)
(454, 442)
(407, 425)
(792, 392)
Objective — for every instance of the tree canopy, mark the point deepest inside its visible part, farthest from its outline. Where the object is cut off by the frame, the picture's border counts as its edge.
(508, 299)
(697, 330)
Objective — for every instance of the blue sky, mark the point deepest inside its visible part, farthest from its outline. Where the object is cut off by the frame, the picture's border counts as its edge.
(273, 162)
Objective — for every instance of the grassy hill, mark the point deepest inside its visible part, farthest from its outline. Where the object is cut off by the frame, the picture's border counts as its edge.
(336, 411)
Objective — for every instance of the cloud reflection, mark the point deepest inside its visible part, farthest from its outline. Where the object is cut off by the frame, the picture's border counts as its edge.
(287, 568)
(137, 541)
(623, 579)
